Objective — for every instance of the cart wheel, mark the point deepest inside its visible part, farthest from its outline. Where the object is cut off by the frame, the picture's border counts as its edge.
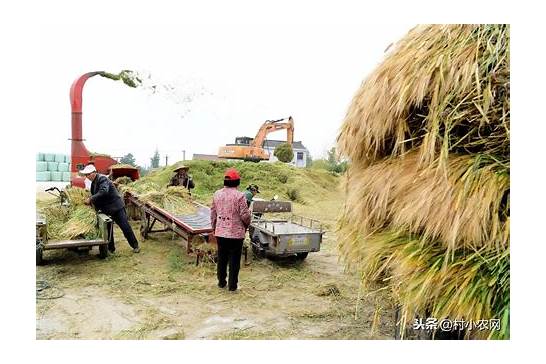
(103, 251)
(258, 253)
(39, 254)
(301, 256)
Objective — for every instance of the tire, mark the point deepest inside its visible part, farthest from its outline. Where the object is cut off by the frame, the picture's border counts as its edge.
(39, 255)
(103, 251)
(301, 256)
(258, 254)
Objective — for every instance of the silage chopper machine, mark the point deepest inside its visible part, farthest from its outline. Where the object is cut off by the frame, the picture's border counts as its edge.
(80, 157)
(105, 231)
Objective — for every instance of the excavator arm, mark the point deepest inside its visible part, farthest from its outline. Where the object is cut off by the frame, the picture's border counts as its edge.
(273, 125)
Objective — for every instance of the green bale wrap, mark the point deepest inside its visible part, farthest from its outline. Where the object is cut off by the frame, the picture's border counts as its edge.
(59, 158)
(40, 157)
(41, 166)
(57, 176)
(62, 167)
(52, 166)
(43, 176)
(48, 157)
(66, 176)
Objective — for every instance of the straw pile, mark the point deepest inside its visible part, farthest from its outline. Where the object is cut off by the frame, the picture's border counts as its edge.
(428, 188)
(174, 199)
(71, 222)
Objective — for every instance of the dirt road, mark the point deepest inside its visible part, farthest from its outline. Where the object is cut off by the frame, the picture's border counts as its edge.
(161, 294)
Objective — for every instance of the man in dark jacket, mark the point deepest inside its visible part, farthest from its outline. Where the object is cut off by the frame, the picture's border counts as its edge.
(182, 179)
(106, 199)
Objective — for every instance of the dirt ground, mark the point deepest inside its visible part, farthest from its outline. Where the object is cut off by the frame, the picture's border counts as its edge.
(161, 294)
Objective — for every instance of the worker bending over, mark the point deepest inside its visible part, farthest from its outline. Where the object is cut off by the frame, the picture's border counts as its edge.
(182, 179)
(106, 199)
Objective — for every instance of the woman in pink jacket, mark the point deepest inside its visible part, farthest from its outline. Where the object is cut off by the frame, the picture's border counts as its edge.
(230, 217)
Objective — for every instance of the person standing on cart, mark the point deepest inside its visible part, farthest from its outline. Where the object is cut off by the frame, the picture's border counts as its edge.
(230, 217)
(106, 199)
(182, 179)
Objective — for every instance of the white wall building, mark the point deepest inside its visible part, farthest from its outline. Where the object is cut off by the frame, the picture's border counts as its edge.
(300, 152)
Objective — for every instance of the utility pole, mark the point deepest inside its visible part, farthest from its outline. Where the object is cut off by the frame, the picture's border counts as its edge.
(183, 155)
(166, 160)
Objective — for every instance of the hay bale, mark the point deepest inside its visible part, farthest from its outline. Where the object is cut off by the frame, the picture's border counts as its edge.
(48, 157)
(43, 176)
(40, 157)
(57, 176)
(60, 158)
(62, 167)
(52, 166)
(41, 166)
(67, 176)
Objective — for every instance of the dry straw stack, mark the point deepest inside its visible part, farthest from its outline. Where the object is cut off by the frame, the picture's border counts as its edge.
(74, 221)
(428, 189)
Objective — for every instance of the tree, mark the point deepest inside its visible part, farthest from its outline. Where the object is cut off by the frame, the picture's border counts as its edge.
(332, 162)
(154, 161)
(284, 152)
(128, 159)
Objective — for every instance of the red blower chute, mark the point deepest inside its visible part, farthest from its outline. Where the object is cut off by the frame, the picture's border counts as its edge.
(80, 156)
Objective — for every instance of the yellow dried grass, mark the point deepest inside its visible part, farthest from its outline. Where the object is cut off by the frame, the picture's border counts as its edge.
(442, 89)
(467, 206)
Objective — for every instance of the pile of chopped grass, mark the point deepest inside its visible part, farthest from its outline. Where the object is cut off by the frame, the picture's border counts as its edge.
(124, 180)
(427, 208)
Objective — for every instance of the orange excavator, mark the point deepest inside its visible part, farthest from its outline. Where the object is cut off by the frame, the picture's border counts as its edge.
(252, 150)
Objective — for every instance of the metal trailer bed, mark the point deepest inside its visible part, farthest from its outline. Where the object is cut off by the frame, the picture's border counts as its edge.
(295, 236)
(188, 226)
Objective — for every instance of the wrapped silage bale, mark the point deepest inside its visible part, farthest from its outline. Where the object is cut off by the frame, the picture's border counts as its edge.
(66, 176)
(52, 166)
(62, 167)
(57, 176)
(43, 176)
(40, 157)
(48, 157)
(41, 166)
(59, 158)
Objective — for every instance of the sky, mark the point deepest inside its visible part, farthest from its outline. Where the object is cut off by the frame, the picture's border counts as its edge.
(227, 79)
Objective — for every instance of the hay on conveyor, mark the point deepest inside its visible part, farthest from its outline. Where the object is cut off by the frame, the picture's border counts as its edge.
(174, 199)
(427, 208)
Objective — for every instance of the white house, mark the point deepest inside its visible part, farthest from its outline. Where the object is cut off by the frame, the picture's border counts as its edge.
(300, 152)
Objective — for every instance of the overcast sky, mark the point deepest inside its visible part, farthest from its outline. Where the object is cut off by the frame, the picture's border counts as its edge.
(228, 79)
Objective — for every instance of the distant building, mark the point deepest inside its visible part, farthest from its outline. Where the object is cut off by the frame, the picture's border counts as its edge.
(300, 152)
(206, 157)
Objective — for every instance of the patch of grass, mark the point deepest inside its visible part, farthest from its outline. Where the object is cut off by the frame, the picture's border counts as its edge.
(248, 334)
(270, 177)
